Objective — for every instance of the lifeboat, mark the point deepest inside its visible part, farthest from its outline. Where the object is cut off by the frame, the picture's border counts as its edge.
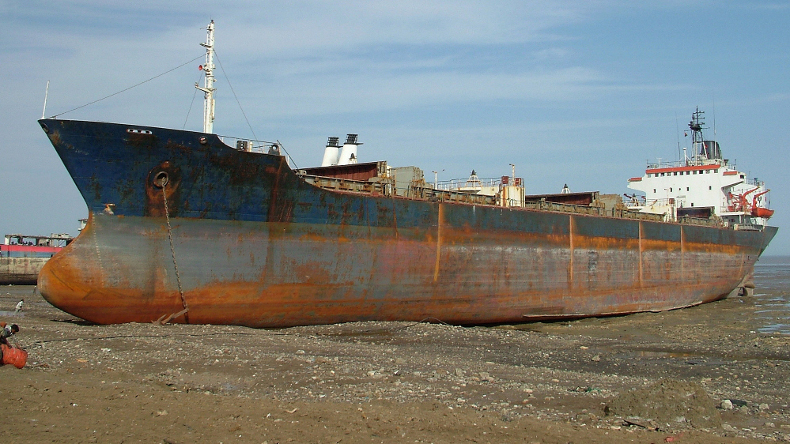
(762, 212)
(758, 211)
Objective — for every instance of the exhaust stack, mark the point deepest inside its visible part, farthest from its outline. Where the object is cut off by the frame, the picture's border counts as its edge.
(331, 153)
(348, 154)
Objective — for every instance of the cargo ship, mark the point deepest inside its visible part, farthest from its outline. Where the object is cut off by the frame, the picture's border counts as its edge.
(191, 227)
(22, 256)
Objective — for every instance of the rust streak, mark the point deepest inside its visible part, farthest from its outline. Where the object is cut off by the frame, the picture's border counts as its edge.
(274, 203)
(571, 226)
(89, 229)
(641, 251)
(682, 251)
(440, 221)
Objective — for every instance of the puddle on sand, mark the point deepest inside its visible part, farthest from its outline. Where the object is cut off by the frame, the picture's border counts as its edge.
(772, 295)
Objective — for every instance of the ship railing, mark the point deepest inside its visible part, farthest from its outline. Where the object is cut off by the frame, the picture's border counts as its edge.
(355, 186)
(456, 184)
(443, 195)
(544, 205)
(256, 146)
(691, 161)
(747, 227)
(665, 164)
(384, 186)
(755, 183)
(482, 199)
(688, 220)
(249, 145)
(636, 215)
(540, 205)
(730, 210)
(633, 203)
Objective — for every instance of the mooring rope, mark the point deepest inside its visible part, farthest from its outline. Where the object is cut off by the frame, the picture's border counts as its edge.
(126, 89)
(185, 311)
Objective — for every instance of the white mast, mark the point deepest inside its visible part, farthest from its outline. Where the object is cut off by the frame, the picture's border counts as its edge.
(46, 93)
(208, 89)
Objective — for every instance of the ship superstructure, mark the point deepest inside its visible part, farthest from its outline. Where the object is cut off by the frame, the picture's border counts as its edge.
(704, 185)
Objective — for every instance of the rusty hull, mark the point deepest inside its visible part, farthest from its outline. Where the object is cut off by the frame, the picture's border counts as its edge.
(255, 245)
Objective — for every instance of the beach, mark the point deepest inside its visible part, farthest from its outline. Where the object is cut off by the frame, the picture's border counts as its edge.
(711, 373)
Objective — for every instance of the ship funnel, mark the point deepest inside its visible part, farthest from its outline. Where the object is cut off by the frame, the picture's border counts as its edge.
(348, 154)
(331, 153)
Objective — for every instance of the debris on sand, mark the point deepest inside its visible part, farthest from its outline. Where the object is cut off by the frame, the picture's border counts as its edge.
(671, 403)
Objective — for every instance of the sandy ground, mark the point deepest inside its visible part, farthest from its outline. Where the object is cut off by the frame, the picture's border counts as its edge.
(645, 378)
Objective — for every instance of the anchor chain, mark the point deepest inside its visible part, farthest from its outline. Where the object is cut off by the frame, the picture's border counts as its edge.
(164, 320)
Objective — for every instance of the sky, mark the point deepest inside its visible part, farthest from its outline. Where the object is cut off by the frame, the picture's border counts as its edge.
(577, 92)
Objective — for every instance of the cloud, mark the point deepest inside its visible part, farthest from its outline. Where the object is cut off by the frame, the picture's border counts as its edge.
(350, 25)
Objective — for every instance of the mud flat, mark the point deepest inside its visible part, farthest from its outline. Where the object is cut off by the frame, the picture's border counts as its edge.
(699, 375)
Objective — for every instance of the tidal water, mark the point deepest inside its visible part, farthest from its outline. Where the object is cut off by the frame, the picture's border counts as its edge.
(772, 294)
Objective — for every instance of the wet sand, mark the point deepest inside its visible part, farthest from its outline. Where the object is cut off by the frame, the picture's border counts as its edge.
(650, 377)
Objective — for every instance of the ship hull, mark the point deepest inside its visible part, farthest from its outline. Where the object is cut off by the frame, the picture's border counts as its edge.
(20, 271)
(22, 260)
(253, 244)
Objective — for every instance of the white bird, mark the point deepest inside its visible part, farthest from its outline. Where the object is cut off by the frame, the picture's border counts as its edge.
(19, 306)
